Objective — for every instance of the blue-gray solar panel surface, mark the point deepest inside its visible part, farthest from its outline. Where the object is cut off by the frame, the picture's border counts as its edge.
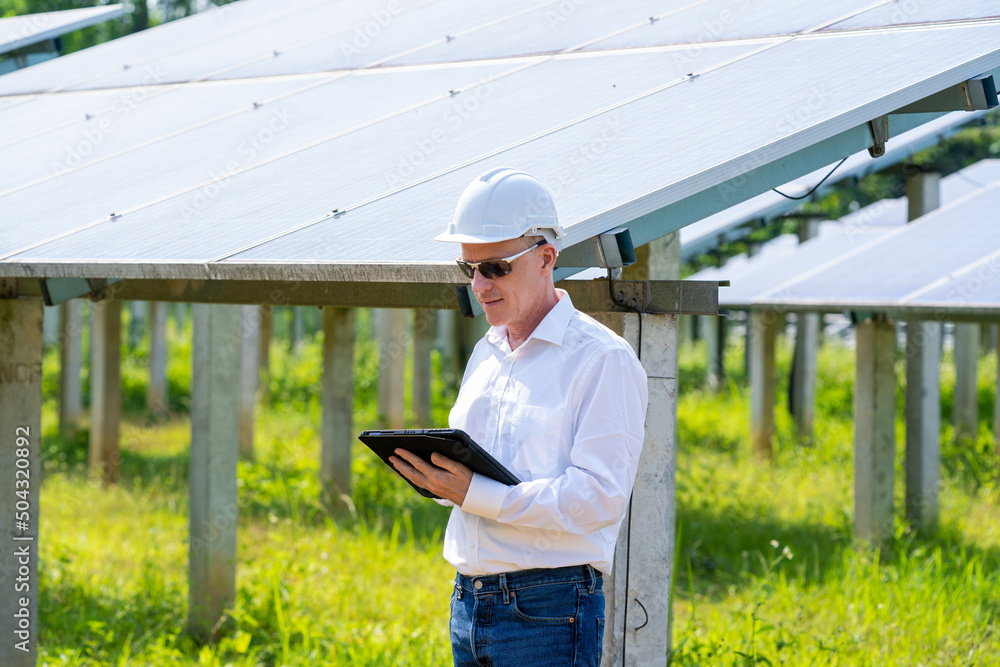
(913, 11)
(260, 38)
(730, 224)
(198, 173)
(783, 265)
(17, 32)
(769, 271)
(948, 258)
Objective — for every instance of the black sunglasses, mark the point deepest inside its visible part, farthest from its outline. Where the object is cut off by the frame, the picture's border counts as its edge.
(494, 268)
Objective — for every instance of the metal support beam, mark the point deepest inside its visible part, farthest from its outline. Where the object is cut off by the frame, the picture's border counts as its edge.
(423, 343)
(338, 406)
(874, 430)
(105, 389)
(966, 411)
(156, 394)
(214, 504)
(70, 365)
(636, 630)
(682, 296)
(20, 477)
(763, 329)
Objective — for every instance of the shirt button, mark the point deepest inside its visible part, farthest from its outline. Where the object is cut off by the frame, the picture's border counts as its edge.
(477, 585)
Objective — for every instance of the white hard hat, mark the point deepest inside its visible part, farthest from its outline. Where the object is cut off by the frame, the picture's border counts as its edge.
(504, 204)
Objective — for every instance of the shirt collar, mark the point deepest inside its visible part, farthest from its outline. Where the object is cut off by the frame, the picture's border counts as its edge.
(552, 328)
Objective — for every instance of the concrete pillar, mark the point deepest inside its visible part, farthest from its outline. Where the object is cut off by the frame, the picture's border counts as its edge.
(249, 335)
(105, 389)
(923, 389)
(137, 323)
(874, 430)
(923, 193)
(391, 328)
(683, 330)
(180, 315)
(753, 247)
(966, 412)
(51, 325)
(337, 432)
(20, 475)
(714, 331)
(70, 365)
(802, 392)
(156, 394)
(803, 386)
(923, 422)
(637, 612)
(448, 343)
(266, 325)
(296, 327)
(763, 327)
(471, 331)
(423, 345)
(214, 507)
(996, 410)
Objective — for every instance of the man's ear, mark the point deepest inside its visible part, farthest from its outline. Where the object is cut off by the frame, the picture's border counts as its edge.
(549, 255)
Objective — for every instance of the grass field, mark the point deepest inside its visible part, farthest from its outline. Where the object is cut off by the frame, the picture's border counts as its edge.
(768, 573)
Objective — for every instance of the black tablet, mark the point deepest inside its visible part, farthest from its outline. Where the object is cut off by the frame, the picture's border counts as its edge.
(451, 442)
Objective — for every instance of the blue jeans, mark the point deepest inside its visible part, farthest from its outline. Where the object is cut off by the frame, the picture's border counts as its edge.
(528, 617)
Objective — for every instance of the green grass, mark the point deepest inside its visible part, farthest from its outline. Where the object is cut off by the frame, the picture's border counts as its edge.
(768, 572)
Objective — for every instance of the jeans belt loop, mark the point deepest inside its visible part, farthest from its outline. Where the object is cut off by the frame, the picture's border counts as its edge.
(503, 587)
(593, 578)
(458, 589)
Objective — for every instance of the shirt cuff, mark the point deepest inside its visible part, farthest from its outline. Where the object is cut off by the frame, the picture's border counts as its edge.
(484, 497)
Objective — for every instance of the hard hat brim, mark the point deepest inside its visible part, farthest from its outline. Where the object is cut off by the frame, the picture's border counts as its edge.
(471, 238)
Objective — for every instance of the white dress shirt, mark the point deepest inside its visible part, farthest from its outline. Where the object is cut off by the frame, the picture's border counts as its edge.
(565, 413)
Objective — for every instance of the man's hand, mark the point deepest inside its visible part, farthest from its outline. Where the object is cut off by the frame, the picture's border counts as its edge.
(446, 478)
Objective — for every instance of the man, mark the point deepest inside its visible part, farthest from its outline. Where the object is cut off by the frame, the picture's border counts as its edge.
(560, 401)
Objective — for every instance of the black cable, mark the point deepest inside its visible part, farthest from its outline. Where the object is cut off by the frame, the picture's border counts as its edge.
(628, 528)
(835, 167)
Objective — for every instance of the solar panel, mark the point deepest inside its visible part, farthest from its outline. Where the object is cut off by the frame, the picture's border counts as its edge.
(201, 176)
(949, 258)
(17, 32)
(898, 13)
(729, 224)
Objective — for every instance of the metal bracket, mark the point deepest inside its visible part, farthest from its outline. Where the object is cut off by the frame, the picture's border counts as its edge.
(976, 94)
(631, 294)
(689, 297)
(467, 302)
(614, 249)
(880, 135)
(58, 290)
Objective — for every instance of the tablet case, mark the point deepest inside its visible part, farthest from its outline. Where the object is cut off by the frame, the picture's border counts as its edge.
(451, 442)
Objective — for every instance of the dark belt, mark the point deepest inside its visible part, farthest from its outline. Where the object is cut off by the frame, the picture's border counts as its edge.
(501, 583)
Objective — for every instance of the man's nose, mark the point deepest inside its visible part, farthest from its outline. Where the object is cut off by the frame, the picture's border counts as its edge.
(479, 282)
